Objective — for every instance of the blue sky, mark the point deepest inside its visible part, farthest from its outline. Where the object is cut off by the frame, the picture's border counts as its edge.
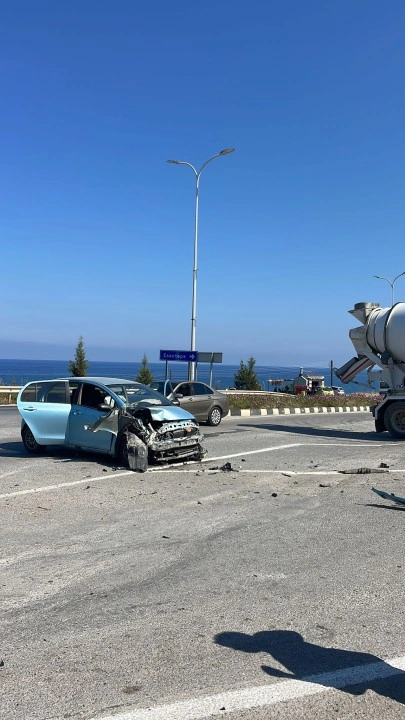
(97, 229)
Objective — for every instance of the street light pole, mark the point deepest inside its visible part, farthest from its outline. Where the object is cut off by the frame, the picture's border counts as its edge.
(197, 173)
(391, 282)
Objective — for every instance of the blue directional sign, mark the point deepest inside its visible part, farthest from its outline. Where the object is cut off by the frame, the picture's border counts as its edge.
(179, 355)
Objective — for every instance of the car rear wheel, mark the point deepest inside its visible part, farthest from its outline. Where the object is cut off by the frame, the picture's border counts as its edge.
(29, 441)
(395, 420)
(214, 416)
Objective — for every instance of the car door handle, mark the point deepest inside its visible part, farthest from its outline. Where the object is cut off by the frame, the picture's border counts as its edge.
(30, 409)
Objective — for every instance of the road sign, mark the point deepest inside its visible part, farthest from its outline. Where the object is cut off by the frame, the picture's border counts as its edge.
(179, 355)
(213, 357)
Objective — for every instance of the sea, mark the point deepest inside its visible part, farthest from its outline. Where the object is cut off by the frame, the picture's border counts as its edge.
(18, 372)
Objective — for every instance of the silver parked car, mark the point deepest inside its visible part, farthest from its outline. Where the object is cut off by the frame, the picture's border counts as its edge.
(205, 403)
(107, 415)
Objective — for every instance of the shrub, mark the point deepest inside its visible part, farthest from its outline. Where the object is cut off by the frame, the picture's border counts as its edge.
(144, 376)
(79, 366)
(246, 378)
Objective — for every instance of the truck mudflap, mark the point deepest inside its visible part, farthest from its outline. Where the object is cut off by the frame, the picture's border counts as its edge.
(379, 424)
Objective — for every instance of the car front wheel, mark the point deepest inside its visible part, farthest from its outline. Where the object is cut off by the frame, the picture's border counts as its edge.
(214, 416)
(121, 450)
(29, 441)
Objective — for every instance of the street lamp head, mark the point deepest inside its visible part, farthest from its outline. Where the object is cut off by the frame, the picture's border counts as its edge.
(226, 151)
(174, 162)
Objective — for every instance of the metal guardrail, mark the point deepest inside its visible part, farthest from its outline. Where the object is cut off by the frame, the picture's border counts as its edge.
(10, 390)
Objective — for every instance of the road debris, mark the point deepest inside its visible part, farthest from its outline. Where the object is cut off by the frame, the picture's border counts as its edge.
(137, 453)
(362, 471)
(225, 468)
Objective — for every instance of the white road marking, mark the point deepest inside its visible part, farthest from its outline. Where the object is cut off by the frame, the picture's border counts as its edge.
(61, 486)
(253, 452)
(286, 447)
(264, 695)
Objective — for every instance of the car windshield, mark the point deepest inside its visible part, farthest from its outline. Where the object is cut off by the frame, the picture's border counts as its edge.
(132, 394)
(159, 386)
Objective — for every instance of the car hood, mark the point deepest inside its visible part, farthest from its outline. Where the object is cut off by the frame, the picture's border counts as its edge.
(168, 413)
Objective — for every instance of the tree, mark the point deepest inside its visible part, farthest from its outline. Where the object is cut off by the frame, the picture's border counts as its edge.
(144, 376)
(246, 378)
(79, 366)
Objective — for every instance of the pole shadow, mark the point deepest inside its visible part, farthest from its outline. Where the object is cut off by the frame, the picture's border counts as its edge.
(313, 663)
(327, 433)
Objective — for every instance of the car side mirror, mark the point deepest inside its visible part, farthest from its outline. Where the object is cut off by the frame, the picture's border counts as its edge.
(178, 396)
(106, 407)
(175, 402)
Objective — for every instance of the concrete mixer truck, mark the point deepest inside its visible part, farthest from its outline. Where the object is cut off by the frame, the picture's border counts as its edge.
(380, 340)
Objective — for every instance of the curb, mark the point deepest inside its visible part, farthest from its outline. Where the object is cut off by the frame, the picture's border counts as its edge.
(297, 411)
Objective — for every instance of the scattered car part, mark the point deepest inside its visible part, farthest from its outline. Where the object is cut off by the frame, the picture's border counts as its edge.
(362, 471)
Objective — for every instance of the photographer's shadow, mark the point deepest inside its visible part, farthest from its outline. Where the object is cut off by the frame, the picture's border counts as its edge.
(347, 670)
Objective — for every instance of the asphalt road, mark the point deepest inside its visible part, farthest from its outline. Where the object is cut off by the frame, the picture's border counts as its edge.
(271, 590)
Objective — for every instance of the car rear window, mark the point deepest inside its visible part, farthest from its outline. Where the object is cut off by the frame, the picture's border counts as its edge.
(54, 392)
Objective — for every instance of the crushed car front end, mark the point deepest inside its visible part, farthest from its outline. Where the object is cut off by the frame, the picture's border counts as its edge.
(168, 432)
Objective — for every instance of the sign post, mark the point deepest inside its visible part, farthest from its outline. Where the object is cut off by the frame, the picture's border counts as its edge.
(190, 356)
(213, 357)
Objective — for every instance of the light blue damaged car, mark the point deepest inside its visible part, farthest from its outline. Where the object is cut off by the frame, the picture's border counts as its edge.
(107, 415)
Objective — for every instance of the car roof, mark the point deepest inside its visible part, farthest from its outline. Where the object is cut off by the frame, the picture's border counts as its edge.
(101, 380)
(177, 382)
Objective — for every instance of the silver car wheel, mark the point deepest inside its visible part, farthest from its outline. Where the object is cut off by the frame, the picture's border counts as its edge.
(214, 416)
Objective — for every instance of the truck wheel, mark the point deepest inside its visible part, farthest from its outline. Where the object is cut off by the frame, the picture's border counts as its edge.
(29, 441)
(395, 420)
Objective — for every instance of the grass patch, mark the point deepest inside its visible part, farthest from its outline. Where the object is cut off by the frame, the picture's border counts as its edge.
(5, 399)
(244, 401)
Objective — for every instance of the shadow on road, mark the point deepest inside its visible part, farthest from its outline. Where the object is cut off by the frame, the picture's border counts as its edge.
(316, 664)
(386, 507)
(322, 432)
(57, 454)
(12, 449)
